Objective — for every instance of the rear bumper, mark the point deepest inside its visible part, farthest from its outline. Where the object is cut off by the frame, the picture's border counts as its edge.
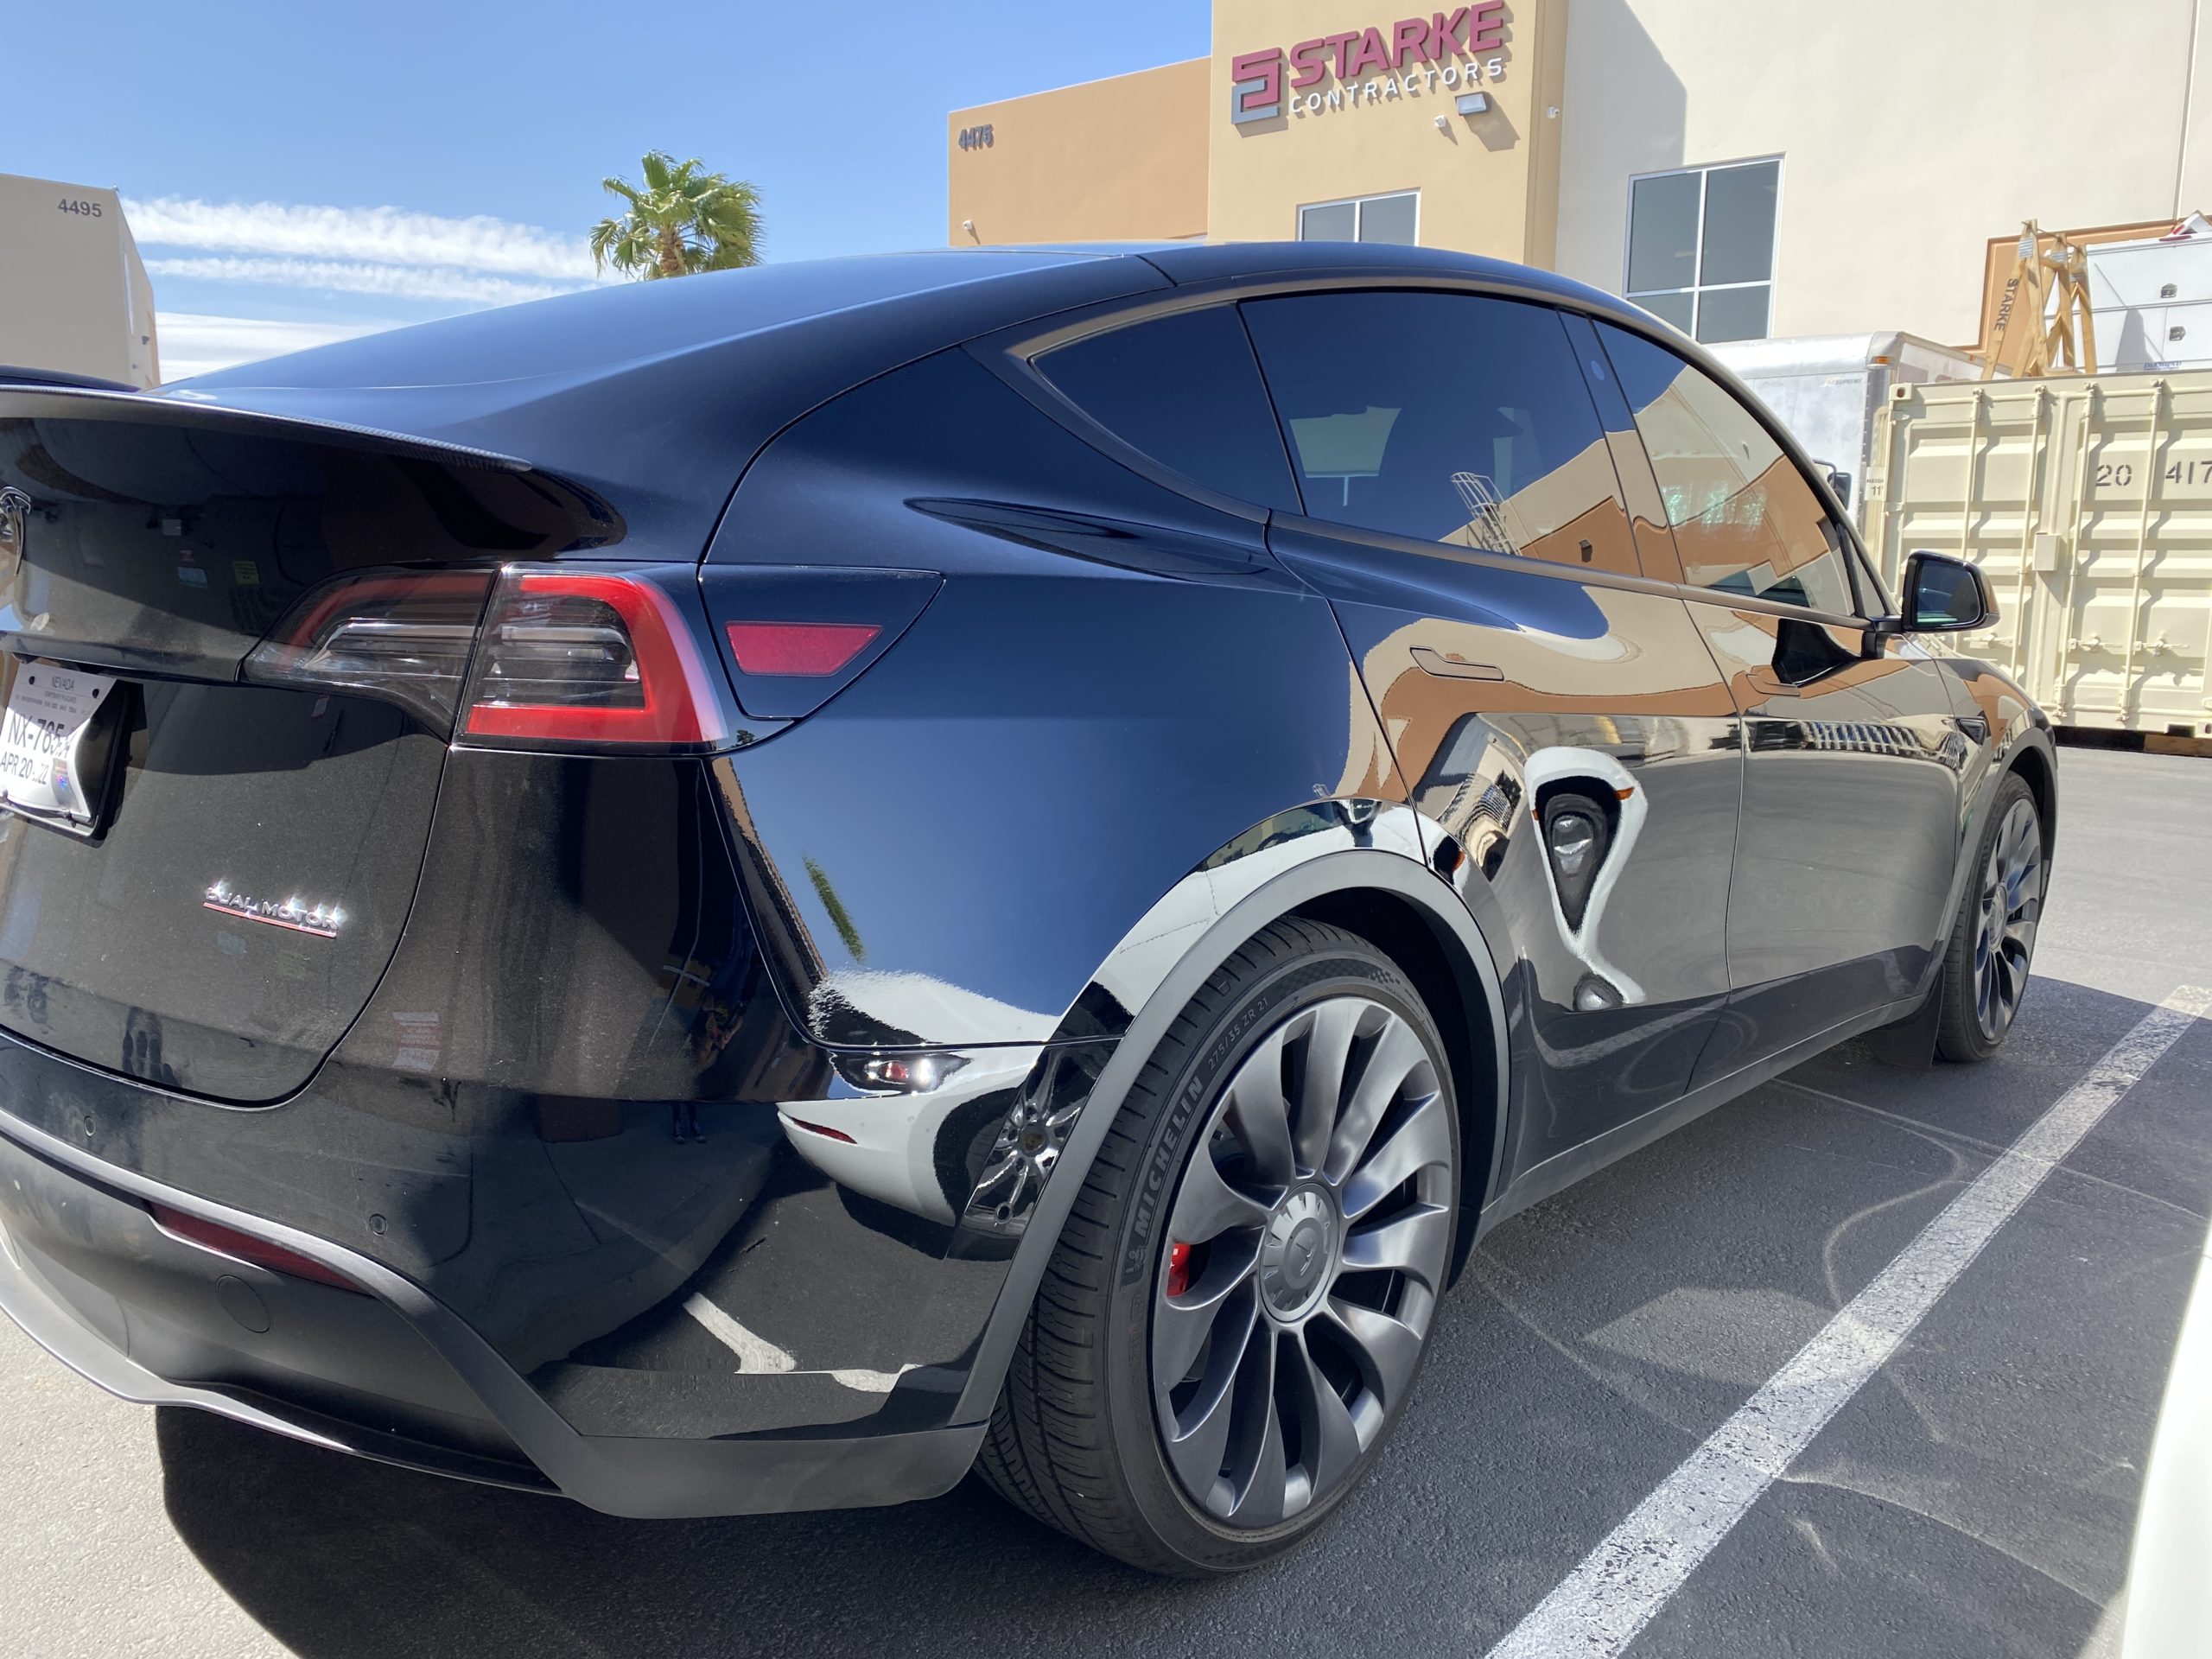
(390, 1374)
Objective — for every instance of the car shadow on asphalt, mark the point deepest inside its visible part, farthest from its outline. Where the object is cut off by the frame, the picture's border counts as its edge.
(1598, 1338)
(340, 1559)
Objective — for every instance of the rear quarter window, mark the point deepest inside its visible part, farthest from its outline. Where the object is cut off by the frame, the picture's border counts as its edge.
(1184, 391)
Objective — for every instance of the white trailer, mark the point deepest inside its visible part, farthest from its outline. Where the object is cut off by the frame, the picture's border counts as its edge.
(2151, 302)
(74, 298)
(1829, 388)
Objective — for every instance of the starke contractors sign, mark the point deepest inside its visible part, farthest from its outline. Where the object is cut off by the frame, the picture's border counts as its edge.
(1413, 55)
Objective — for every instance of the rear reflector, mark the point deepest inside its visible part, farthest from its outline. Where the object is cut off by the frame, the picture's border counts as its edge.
(807, 648)
(243, 1247)
(402, 636)
(797, 634)
(589, 659)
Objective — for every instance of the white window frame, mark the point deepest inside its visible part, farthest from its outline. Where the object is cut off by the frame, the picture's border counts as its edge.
(1358, 205)
(1697, 290)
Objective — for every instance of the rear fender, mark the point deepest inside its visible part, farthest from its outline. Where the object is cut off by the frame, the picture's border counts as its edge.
(1111, 680)
(1292, 862)
(2014, 736)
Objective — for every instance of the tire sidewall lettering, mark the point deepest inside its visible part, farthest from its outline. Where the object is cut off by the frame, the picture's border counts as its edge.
(1166, 1153)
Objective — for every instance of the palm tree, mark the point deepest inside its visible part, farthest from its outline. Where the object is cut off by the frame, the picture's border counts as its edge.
(684, 219)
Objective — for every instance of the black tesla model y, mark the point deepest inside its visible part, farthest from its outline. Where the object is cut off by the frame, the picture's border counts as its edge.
(749, 894)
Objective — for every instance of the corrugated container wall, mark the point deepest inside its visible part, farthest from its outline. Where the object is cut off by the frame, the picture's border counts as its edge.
(2088, 502)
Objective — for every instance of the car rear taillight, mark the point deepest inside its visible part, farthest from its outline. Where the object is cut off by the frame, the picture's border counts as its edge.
(402, 636)
(595, 657)
(590, 659)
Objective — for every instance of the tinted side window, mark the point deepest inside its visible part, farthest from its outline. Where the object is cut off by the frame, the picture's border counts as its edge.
(1183, 390)
(1744, 519)
(1446, 417)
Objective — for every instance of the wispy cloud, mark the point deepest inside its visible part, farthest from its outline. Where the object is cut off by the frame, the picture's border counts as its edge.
(422, 263)
(357, 276)
(194, 344)
(379, 235)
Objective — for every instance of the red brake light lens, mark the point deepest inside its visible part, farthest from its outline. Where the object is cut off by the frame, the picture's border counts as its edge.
(589, 657)
(811, 649)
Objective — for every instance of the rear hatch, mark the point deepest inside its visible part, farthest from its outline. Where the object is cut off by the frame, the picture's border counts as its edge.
(205, 893)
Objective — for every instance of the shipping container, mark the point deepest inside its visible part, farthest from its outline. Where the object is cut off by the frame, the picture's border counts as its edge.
(2087, 500)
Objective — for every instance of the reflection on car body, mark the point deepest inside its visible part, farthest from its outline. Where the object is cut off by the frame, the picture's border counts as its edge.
(1105, 808)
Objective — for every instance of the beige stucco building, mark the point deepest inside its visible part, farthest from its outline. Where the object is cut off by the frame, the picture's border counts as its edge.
(1745, 167)
(74, 293)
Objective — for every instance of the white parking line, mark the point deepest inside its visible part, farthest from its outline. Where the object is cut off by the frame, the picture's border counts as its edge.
(1597, 1608)
(754, 1352)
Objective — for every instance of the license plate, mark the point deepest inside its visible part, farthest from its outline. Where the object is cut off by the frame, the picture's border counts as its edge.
(47, 767)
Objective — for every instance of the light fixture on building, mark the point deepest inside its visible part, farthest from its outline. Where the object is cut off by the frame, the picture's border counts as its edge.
(969, 226)
(1473, 103)
(1444, 124)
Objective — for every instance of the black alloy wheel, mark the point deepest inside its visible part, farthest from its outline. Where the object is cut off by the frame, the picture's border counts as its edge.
(1993, 941)
(1217, 1357)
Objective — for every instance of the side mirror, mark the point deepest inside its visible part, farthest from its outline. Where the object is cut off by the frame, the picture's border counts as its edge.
(1945, 595)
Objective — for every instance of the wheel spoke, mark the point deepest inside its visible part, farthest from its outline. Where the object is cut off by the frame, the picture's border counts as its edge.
(1260, 1115)
(1330, 1444)
(1417, 1241)
(1385, 1349)
(1207, 1205)
(1181, 1325)
(1328, 1047)
(1260, 1473)
(1423, 1139)
(1200, 1437)
(1395, 1054)
(2012, 977)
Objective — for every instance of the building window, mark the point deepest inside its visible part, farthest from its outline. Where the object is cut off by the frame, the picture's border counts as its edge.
(1700, 248)
(1394, 218)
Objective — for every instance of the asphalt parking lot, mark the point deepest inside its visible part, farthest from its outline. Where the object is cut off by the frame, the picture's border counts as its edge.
(1976, 1495)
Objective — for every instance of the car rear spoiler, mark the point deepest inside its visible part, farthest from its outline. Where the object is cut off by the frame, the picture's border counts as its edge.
(22, 398)
(39, 395)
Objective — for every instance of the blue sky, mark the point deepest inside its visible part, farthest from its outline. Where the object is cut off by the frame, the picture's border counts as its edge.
(295, 172)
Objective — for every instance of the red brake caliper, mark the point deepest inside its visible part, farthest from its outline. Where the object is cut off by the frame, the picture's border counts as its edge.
(1178, 1268)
